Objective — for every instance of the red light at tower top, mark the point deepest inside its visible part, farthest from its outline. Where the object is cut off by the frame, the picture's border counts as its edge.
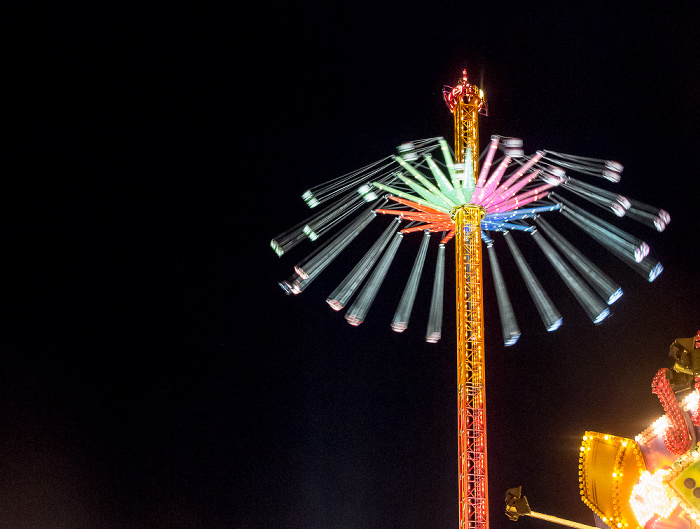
(466, 92)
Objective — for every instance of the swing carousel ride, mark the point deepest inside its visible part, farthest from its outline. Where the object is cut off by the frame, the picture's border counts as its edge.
(476, 200)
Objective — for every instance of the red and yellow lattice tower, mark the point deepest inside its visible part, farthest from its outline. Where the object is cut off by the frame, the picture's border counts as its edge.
(467, 102)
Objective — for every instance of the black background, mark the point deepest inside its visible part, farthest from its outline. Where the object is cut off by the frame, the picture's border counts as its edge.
(153, 374)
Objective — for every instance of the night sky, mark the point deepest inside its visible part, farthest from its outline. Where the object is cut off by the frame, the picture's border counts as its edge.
(153, 373)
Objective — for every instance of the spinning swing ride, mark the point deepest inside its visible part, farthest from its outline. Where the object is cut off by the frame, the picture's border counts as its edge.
(429, 188)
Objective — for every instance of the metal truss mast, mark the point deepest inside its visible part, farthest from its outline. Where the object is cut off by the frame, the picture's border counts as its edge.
(467, 102)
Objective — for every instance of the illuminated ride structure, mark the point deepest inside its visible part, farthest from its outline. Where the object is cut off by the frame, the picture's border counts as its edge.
(653, 480)
(469, 201)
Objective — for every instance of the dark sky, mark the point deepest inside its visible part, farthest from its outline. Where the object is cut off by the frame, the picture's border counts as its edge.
(153, 374)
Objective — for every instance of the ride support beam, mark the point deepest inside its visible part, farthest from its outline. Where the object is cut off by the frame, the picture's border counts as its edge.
(473, 479)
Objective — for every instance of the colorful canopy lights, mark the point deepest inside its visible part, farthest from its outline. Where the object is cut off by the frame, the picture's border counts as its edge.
(420, 188)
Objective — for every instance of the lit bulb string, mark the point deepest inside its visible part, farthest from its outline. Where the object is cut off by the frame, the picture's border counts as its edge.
(677, 436)
(693, 403)
(417, 187)
(595, 452)
(649, 498)
(653, 496)
(659, 426)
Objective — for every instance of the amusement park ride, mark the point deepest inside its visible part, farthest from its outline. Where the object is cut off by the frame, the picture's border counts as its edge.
(469, 201)
(653, 480)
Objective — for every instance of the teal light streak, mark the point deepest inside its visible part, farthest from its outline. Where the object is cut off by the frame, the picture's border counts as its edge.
(450, 167)
(440, 178)
(431, 188)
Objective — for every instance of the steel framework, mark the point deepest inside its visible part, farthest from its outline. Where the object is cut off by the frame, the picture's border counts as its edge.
(473, 483)
(466, 102)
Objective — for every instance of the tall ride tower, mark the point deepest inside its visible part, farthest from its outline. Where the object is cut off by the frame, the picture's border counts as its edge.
(467, 102)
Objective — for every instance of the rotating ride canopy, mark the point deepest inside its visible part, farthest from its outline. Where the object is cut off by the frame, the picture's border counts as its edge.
(462, 200)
